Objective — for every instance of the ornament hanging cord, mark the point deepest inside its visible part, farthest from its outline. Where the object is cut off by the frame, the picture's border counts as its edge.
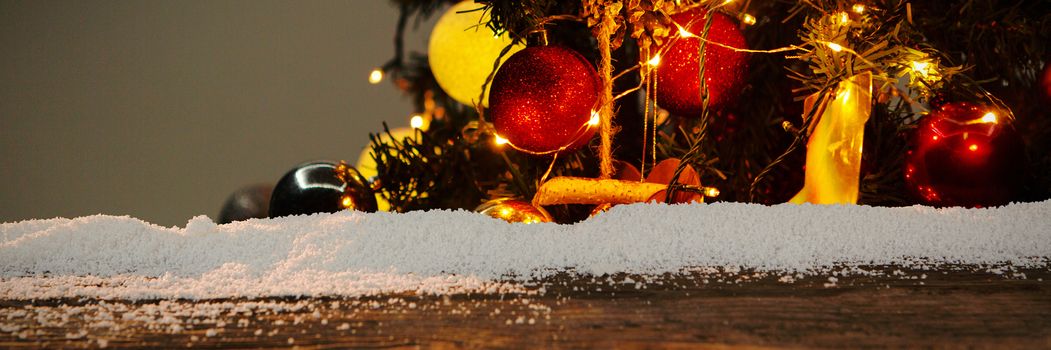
(695, 148)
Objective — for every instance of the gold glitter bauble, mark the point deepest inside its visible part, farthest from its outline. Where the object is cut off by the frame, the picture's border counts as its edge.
(462, 51)
(514, 210)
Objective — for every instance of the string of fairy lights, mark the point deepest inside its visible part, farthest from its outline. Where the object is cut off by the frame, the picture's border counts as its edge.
(923, 69)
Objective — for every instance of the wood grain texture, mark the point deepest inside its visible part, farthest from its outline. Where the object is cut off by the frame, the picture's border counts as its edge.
(970, 307)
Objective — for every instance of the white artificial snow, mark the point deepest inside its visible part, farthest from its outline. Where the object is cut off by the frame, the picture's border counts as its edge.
(351, 253)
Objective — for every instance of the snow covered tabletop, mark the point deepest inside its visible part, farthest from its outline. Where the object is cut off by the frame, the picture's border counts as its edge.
(718, 273)
(352, 253)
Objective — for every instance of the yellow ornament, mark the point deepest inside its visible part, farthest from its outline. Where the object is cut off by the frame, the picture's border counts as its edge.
(462, 51)
(514, 211)
(367, 164)
(833, 158)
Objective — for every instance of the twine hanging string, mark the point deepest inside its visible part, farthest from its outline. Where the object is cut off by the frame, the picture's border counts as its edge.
(645, 112)
(606, 29)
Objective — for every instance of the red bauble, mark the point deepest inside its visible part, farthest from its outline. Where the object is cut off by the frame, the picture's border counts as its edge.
(678, 89)
(1045, 82)
(542, 98)
(962, 157)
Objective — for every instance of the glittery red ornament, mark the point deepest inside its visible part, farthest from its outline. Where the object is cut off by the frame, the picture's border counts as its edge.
(965, 154)
(678, 89)
(542, 98)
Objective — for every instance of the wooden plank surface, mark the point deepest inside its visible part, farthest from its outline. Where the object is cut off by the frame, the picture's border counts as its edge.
(972, 306)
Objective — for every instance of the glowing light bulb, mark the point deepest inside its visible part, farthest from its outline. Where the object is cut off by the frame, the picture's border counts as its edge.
(920, 66)
(727, 2)
(989, 118)
(653, 62)
(499, 141)
(711, 192)
(844, 18)
(683, 32)
(748, 19)
(594, 119)
(416, 122)
(347, 202)
(973, 147)
(835, 47)
(859, 8)
(376, 76)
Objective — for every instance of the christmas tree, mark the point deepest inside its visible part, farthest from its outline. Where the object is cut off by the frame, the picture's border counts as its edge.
(572, 107)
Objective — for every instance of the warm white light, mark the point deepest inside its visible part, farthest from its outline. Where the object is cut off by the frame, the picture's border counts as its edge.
(920, 66)
(416, 122)
(653, 62)
(859, 8)
(925, 70)
(835, 47)
(500, 141)
(748, 19)
(989, 118)
(376, 76)
(594, 119)
(844, 18)
(683, 32)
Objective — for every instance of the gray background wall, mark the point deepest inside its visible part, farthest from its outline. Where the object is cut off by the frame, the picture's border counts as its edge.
(159, 109)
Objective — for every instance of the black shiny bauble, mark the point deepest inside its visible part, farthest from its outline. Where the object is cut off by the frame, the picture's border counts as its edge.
(320, 187)
(246, 203)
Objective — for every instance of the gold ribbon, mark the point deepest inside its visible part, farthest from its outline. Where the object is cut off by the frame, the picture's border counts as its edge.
(833, 158)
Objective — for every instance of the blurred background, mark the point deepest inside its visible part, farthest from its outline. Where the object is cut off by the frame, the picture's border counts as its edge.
(161, 109)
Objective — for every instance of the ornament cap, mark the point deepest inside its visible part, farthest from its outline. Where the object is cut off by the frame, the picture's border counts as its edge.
(537, 37)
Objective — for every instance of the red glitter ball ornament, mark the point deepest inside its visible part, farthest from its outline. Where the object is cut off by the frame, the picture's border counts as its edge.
(542, 99)
(678, 89)
(965, 154)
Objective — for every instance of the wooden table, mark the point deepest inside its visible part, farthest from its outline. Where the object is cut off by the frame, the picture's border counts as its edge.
(949, 306)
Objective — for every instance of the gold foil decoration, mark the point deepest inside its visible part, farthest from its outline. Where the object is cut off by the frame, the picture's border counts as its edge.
(833, 158)
(627, 187)
(581, 190)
